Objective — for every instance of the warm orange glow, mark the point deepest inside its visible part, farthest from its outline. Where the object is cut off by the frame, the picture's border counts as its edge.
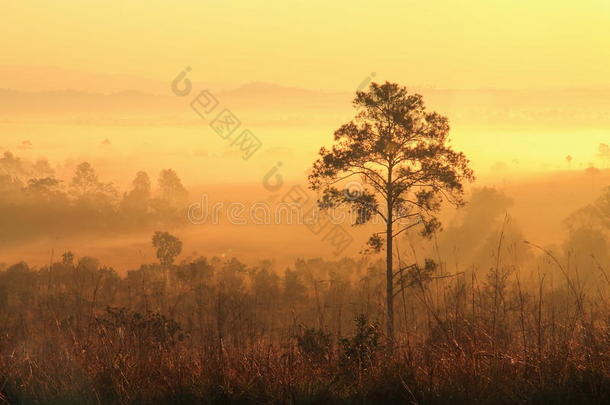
(524, 84)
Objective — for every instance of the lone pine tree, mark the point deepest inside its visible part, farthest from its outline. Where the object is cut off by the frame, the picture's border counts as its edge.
(400, 153)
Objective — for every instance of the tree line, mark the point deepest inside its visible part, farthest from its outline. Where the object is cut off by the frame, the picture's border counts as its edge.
(34, 202)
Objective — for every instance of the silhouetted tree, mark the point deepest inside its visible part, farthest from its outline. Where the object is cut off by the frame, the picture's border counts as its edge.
(140, 188)
(45, 189)
(88, 188)
(400, 153)
(171, 189)
(294, 289)
(136, 204)
(67, 259)
(13, 167)
(596, 215)
(85, 179)
(480, 218)
(168, 247)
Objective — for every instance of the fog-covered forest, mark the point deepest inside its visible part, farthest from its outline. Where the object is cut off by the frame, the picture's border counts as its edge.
(35, 202)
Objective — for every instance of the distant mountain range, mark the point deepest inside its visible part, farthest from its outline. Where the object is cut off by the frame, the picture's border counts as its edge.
(70, 93)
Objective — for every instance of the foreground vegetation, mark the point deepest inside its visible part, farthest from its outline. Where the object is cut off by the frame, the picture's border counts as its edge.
(217, 331)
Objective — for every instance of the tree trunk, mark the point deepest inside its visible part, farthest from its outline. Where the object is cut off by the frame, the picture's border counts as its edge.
(390, 278)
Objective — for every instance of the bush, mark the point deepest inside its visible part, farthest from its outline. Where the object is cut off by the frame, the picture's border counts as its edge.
(314, 345)
(361, 348)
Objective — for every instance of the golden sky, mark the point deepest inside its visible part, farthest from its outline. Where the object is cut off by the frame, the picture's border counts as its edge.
(315, 44)
(110, 46)
(550, 58)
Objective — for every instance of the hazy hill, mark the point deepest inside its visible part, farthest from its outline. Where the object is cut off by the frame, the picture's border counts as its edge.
(65, 93)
